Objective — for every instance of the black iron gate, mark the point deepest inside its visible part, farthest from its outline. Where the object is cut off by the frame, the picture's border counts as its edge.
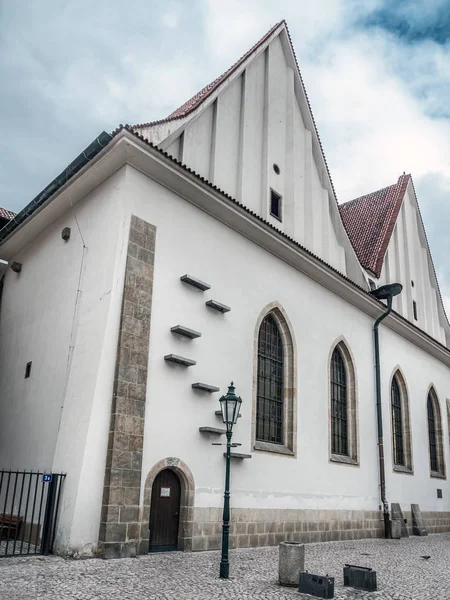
(29, 503)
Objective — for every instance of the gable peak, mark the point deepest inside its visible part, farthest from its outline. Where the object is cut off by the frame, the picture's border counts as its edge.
(369, 221)
(193, 103)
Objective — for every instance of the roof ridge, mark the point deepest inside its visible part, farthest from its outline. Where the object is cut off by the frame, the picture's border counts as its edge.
(197, 99)
(379, 211)
(359, 198)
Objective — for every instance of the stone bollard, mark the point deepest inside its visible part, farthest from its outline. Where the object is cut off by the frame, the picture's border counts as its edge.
(396, 529)
(291, 562)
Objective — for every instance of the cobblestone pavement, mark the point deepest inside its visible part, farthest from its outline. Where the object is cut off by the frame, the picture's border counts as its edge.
(9, 547)
(402, 573)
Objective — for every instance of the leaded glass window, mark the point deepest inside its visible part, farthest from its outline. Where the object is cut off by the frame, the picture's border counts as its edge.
(397, 423)
(339, 405)
(269, 409)
(432, 434)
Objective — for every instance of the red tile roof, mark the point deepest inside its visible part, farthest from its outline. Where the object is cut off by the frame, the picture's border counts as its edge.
(194, 102)
(370, 220)
(6, 214)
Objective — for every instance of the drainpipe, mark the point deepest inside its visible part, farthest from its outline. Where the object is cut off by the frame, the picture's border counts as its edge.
(385, 292)
(387, 531)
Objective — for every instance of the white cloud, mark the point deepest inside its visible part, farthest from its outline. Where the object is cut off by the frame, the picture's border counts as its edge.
(170, 19)
(373, 127)
(381, 104)
(233, 26)
(140, 87)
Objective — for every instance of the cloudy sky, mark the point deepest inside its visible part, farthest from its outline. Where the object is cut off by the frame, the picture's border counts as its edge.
(377, 73)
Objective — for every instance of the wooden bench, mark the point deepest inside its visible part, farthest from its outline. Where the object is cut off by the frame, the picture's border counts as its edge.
(10, 526)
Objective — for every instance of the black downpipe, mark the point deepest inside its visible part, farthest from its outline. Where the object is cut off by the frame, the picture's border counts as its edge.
(386, 516)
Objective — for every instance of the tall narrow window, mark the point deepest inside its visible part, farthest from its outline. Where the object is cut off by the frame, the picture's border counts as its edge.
(397, 424)
(401, 426)
(435, 436)
(434, 464)
(275, 205)
(269, 409)
(339, 405)
(415, 310)
(274, 413)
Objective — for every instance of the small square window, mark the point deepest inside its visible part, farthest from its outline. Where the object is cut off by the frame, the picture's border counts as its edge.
(415, 310)
(275, 205)
(28, 370)
(439, 493)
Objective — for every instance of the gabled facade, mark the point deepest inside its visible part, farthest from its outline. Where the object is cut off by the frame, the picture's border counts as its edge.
(153, 274)
(252, 134)
(387, 232)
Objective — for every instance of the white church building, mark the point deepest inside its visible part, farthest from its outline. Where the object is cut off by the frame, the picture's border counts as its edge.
(175, 256)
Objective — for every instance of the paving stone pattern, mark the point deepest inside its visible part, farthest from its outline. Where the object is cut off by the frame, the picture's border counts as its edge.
(402, 573)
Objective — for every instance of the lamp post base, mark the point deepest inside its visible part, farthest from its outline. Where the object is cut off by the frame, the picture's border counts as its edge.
(224, 570)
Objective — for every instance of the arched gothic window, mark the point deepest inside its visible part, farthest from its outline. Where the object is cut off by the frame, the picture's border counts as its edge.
(274, 416)
(343, 429)
(435, 442)
(432, 434)
(269, 410)
(397, 424)
(339, 405)
(401, 428)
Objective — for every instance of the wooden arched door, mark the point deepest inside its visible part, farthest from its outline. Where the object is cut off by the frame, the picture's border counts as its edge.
(165, 512)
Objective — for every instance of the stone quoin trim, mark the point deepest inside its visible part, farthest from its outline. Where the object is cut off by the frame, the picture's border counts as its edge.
(119, 533)
(186, 524)
(406, 424)
(352, 458)
(289, 446)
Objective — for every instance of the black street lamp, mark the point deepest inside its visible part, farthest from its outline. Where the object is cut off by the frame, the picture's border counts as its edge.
(230, 405)
(385, 292)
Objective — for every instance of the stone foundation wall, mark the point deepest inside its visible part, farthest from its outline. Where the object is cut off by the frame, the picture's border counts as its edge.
(269, 527)
(435, 522)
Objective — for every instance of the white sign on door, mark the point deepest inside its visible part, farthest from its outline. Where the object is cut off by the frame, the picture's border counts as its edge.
(165, 492)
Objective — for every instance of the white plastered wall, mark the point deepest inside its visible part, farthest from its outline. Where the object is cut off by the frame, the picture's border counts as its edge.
(59, 418)
(245, 277)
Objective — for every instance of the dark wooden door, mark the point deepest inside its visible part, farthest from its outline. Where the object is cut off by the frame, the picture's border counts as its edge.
(165, 512)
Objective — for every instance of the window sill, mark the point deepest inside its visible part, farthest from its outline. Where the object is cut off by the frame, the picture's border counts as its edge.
(402, 469)
(276, 448)
(437, 475)
(345, 460)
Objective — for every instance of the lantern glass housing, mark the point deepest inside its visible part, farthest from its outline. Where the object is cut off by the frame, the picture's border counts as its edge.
(230, 405)
(383, 292)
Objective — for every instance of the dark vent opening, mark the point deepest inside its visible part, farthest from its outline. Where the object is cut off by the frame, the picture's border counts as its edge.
(28, 370)
(275, 205)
